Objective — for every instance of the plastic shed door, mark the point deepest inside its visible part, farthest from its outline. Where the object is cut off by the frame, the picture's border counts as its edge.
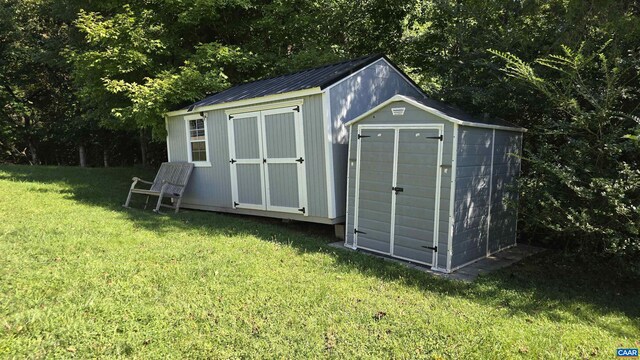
(267, 160)
(373, 194)
(397, 193)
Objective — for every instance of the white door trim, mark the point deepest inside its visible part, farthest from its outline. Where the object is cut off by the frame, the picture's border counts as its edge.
(452, 196)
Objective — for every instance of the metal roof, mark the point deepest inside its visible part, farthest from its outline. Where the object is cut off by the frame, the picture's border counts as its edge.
(321, 77)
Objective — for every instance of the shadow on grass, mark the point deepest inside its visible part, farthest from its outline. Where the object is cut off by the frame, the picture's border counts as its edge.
(556, 286)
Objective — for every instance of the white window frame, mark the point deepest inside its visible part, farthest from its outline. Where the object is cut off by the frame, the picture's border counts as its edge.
(187, 119)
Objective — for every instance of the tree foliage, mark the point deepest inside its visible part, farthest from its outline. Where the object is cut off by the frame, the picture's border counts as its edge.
(583, 179)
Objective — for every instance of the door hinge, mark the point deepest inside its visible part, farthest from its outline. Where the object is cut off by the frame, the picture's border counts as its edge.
(356, 231)
(235, 204)
(397, 189)
(441, 138)
(434, 248)
(302, 210)
(363, 136)
(297, 108)
(232, 161)
(300, 160)
(230, 117)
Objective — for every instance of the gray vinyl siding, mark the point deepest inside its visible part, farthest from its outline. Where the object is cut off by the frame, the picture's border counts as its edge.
(340, 154)
(351, 98)
(211, 186)
(415, 116)
(504, 191)
(471, 204)
(365, 90)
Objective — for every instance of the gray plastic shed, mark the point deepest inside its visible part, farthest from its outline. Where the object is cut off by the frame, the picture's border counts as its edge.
(430, 184)
(277, 147)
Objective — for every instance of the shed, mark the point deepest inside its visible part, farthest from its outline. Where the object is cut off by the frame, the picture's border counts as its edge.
(278, 147)
(430, 184)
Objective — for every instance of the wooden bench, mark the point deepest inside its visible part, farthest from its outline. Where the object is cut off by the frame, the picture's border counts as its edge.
(170, 182)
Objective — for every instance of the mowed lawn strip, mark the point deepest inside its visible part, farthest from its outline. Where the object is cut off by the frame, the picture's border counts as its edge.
(81, 276)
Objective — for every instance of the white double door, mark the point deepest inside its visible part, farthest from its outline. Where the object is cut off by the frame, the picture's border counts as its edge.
(268, 161)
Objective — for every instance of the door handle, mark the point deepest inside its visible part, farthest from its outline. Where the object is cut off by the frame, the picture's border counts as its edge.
(397, 189)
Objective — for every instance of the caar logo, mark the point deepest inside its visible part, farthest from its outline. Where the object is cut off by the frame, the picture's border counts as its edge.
(627, 353)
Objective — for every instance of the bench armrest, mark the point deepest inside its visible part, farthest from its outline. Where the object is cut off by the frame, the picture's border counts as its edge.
(137, 179)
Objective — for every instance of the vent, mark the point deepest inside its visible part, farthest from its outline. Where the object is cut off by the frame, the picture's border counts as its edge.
(397, 111)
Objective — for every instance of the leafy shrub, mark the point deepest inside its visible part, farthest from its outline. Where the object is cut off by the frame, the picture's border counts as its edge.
(581, 186)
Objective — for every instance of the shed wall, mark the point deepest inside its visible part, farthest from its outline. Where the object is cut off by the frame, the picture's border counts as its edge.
(413, 116)
(471, 204)
(485, 205)
(504, 191)
(351, 98)
(210, 187)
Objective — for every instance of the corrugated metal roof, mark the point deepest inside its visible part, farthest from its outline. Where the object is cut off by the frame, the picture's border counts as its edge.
(306, 79)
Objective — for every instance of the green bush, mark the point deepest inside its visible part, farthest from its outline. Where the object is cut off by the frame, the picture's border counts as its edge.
(581, 185)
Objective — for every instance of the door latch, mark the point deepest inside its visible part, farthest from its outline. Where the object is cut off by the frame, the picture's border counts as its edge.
(397, 189)
(434, 248)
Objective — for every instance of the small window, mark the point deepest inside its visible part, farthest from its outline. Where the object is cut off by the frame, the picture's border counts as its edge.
(197, 140)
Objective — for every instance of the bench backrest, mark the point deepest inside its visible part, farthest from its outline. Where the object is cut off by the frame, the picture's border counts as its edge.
(175, 173)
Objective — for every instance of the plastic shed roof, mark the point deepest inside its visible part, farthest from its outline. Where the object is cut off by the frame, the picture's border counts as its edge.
(443, 110)
(321, 77)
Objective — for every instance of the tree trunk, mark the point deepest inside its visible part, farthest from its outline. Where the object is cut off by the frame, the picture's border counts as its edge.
(32, 146)
(83, 156)
(105, 157)
(33, 152)
(143, 147)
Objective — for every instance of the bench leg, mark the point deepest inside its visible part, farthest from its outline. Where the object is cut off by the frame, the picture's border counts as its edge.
(146, 203)
(133, 185)
(126, 203)
(177, 204)
(157, 209)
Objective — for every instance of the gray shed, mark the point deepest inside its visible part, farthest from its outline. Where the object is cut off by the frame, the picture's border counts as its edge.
(278, 147)
(430, 184)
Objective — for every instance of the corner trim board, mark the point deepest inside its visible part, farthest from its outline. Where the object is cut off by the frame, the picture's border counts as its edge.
(452, 196)
(328, 154)
(346, 223)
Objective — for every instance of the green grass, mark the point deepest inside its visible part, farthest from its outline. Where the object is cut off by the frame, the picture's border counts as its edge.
(82, 277)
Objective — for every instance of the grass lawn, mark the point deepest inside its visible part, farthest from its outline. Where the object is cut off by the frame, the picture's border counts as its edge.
(82, 277)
